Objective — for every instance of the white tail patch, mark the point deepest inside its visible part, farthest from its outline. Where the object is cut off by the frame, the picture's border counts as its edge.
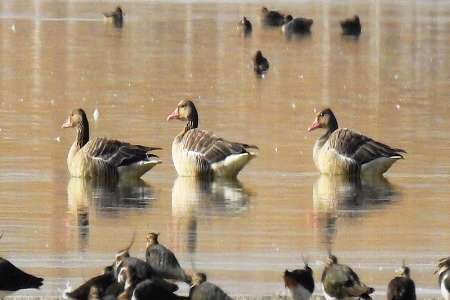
(378, 166)
(137, 169)
(232, 164)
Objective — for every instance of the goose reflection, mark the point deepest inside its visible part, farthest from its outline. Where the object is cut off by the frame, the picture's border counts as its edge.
(336, 196)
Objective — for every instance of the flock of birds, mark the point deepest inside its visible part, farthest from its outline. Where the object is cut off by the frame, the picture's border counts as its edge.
(200, 153)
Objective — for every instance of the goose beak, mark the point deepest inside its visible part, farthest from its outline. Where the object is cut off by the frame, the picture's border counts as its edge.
(67, 124)
(174, 115)
(314, 126)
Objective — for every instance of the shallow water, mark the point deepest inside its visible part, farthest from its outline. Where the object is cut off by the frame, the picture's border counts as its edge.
(392, 84)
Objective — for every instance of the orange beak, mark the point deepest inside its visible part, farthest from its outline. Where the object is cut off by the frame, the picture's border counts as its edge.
(314, 125)
(67, 124)
(174, 115)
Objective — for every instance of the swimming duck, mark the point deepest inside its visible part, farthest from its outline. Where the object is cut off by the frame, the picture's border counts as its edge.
(204, 290)
(246, 26)
(13, 279)
(163, 261)
(346, 152)
(104, 158)
(95, 287)
(402, 287)
(444, 277)
(200, 153)
(351, 26)
(300, 282)
(297, 25)
(272, 17)
(116, 16)
(260, 63)
(341, 282)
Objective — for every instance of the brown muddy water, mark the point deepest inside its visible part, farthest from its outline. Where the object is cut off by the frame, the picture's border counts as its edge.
(392, 84)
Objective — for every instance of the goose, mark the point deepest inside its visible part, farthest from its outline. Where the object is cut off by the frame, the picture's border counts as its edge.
(272, 17)
(444, 277)
(13, 279)
(204, 290)
(401, 287)
(351, 26)
(341, 282)
(103, 158)
(300, 282)
(260, 63)
(116, 16)
(200, 153)
(95, 286)
(346, 152)
(163, 261)
(297, 25)
(246, 26)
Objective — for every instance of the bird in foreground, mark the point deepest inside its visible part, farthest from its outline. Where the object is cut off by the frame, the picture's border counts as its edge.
(102, 158)
(351, 26)
(97, 285)
(13, 279)
(341, 151)
(402, 287)
(204, 290)
(272, 17)
(246, 26)
(296, 25)
(300, 282)
(116, 16)
(341, 282)
(200, 153)
(151, 289)
(260, 63)
(444, 277)
(163, 261)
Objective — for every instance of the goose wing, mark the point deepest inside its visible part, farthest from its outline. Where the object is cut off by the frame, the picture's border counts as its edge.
(116, 153)
(360, 147)
(164, 262)
(211, 147)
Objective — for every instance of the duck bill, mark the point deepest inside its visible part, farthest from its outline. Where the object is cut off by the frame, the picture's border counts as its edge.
(314, 126)
(174, 115)
(67, 124)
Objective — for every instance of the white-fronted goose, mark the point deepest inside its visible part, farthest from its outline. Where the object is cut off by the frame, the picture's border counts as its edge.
(163, 261)
(13, 279)
(272, 17)
(300, 282)
(402, 287)
(346, 152)
(260, 63)
(200, 153)
(104, 158)
(351, 26)
(116, 16)
(341, 282)
(444, 277)
(204, 290)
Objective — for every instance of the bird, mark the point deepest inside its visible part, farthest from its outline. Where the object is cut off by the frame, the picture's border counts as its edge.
(444, 277)
(402, 287)
(296, 25)
(341, 151)
(151, 289)
(116, 16)
(341, 282)
(260, 63)
(204, 290)
(95, 286)
(300, 282)
(102, 158)
(351, 26)
(246, 26)
(200, 153)
(13, 279)
(272, 17)
(163, 261)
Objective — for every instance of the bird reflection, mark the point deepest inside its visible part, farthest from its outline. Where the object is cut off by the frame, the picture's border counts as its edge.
(107, 198)
(335, 197)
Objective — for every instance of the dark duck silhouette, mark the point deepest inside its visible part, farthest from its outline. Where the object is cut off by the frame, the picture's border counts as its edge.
(13, 279)
(296, 25)
(163, 261)
(246, 26)
(341, 282)
(260, 63)
(300, 282)
(402, 287)
(272, 17)
(116, 16)
(351, 26)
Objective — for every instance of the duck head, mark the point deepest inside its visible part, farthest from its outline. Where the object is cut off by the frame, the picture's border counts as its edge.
(326, 120)
(152, 239)
(403, 271)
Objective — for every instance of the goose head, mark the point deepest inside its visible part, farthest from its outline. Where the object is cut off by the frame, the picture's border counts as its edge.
(403, 271)
(198, 278)
(152, 239)
(76, 118)
(326, 120)
(185, 111)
